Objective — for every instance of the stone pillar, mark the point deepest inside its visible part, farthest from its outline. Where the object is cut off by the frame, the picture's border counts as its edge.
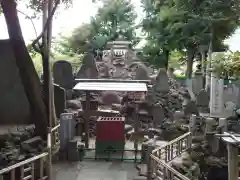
(212, 140)
(216, 96)
(158, 116)
(203, 49)
(192, 124)
(223, 124)
(197, 82)
(208, 71)
(189, 84)
(150, 161)
(67, 129)
(210, 122)
(232, 161)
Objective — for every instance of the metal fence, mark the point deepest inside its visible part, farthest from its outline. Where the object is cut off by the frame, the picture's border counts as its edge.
(27, 169)
(163, 171)
(54, 136)
(158, 164)
(38, 167)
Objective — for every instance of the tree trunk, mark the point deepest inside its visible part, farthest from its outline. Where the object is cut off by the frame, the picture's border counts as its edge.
(203, 64)
(28, 74)
(190, 57)
(166, 58)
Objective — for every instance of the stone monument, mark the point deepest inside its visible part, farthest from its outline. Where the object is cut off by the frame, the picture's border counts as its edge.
(88, 69)
(63, 74)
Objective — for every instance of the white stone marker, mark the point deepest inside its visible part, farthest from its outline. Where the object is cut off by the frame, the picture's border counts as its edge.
(216, 96)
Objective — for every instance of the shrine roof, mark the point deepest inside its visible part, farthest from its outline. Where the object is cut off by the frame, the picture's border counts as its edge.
(112, 86)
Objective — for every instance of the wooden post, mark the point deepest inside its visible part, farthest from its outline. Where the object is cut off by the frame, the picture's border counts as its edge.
(136, 129)
(136, 126)
(232, 148)
(208, 77)
(232, 161)
(49, 147)
(150, 166)
(192, 124)
(86, 119)
(189, 142)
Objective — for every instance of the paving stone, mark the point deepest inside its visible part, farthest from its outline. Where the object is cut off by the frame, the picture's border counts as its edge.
(142, 169)
(139, 178)
(115, 175)
(94, 170)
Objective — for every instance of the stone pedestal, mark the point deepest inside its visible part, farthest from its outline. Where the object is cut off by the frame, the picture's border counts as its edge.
(75, 150)
(151, 147)
(210, 122)
(223, 124)
(197, 84)
(67, 129)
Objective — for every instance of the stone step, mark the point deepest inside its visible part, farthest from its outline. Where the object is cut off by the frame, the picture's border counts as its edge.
(142, 169)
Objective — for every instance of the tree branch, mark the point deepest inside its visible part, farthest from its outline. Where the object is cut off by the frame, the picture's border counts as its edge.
(34, 27)
(36, 41)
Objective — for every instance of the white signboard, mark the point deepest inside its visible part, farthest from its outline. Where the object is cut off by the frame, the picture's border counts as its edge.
(106, 53)
(120, 52)
(216, 97)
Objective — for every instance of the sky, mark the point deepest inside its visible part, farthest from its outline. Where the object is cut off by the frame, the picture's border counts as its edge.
(66, 20)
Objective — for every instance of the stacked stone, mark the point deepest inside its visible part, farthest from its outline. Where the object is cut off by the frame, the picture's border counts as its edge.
(175, 98)
(19, 146)
(92, 126)
(201, 163)
(186, 166)
(166, 97)
(169, 99)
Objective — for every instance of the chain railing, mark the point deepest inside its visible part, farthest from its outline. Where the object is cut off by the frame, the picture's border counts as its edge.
(158, 165)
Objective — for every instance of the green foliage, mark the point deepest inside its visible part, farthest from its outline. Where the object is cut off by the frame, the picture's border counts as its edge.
(227, 64)
(153, 56)
(37, 61)
(31, 51)
(37, 5)
(176, 59)
(185, 24)
(75, 61)
(235, 64)
(116, 18)
(220, 63)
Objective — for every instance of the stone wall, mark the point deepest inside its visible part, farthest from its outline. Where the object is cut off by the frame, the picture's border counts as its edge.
(14, 105)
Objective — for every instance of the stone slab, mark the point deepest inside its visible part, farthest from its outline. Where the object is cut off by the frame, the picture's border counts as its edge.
(94, 170)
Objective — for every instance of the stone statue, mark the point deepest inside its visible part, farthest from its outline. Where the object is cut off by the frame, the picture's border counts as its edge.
(162, 81)
(141, 72)
(88, 68)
